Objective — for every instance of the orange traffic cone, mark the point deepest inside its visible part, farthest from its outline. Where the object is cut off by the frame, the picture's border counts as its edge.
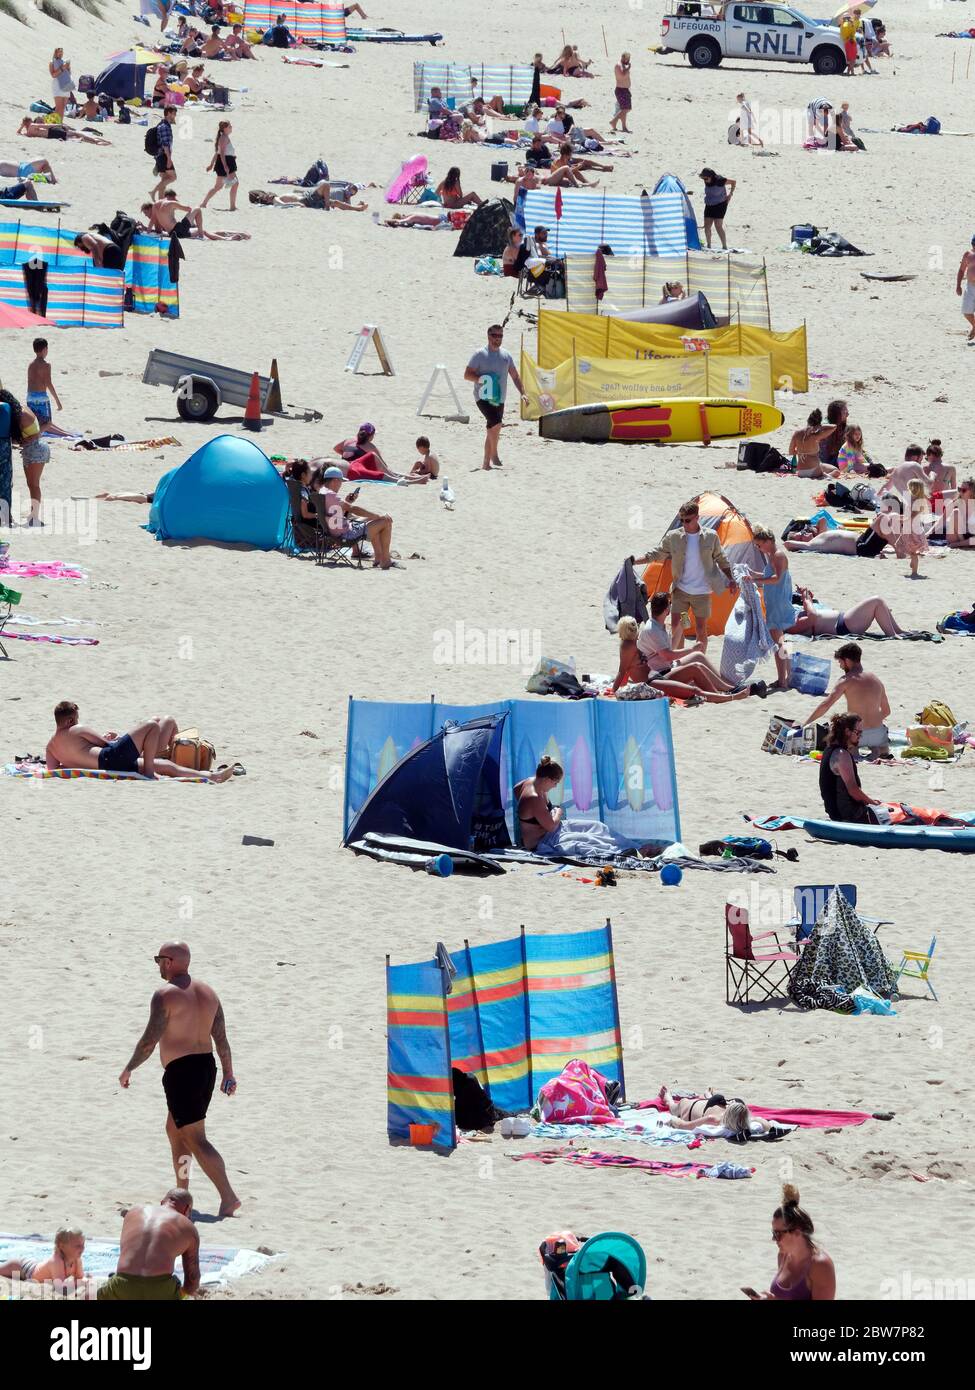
(252, 411)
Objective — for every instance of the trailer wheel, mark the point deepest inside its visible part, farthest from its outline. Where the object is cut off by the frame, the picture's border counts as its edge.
(200, 402)
(827, 62)
(703, 53)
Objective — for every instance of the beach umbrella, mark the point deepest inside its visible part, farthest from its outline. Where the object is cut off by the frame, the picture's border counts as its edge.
(854, 5)
(13, 317)
(124, 75)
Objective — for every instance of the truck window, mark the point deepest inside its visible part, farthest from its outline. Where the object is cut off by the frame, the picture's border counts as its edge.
(784, 17)
(753, 14)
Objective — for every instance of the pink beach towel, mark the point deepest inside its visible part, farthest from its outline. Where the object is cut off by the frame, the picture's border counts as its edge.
(805, 1119)
(40, 569)
(578, 1096)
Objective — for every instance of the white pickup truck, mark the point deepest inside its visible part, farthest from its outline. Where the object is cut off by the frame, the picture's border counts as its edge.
(706, 33)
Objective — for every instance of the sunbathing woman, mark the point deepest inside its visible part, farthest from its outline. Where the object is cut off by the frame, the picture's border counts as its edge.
(546, 830)
(581, 163)
(452, 195)
(805, 443)
(959, 517)
(570, 64)
(688, 681)
(320, 198)
(65, 1262)
(883, 530)
(419, 219)
(690, 1112)
(814, 621)
(40, 130)
(362, 458)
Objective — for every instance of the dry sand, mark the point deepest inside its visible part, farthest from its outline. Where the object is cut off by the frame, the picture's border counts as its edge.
(262, 653)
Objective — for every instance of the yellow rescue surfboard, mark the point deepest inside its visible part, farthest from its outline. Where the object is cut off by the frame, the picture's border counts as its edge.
(673, 420)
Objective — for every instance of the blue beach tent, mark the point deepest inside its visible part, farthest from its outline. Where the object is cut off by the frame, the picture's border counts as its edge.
(227, 491)
(446, 790)
(670, 183)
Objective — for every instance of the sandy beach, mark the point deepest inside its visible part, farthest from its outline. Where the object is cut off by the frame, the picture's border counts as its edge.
(262, 652)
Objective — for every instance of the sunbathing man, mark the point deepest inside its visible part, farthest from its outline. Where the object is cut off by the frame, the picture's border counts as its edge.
(568, 159)
(816, 621)
(865, 697)
(10, 194)
(235, 45)
(163, 219)
(186, 1020)
(143, 749)
(152, 1239)
(40, 130)
(690, 1112)
(63, 1264)
(27, 169)
(214, 46)
(320, 198)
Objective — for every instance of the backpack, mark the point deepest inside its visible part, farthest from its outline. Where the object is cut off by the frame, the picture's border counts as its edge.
(473, 1107)
(192, 751)
(937, 712)
(151, 141)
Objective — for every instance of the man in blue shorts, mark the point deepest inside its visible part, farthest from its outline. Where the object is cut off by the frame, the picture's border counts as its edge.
(142, 750)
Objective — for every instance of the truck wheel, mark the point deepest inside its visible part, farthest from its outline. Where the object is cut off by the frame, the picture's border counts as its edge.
(703, 53)
(827, 62)
(200, 404)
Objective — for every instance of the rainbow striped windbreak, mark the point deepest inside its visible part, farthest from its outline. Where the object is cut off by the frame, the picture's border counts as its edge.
(321, 23)
(146, 266)
(517, 1011)
(78, 296)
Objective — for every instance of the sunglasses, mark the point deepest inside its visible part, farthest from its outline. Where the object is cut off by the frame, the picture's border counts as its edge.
(157, 959)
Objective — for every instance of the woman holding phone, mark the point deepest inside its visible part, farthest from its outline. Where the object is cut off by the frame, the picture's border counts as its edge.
(805, 1271)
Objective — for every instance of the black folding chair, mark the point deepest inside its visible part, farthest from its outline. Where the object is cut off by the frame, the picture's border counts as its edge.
(343, 552)
(304, 533)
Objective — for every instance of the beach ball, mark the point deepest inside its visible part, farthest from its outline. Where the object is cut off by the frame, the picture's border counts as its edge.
(671, 875)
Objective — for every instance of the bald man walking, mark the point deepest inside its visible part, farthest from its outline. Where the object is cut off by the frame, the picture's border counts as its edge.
(184, 1016)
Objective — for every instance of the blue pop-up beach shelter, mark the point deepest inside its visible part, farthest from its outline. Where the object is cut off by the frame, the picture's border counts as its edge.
(670, 183)
(229, 490)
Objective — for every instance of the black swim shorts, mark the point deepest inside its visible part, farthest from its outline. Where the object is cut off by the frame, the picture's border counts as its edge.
(188, 1082)
(493, 414)
(161, 165)
(182, 229)
(121, 755)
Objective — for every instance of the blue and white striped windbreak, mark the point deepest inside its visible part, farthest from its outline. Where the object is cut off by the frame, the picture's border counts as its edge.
(461, 82)
(651, 226)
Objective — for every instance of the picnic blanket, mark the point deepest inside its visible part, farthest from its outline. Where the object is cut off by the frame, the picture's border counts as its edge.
(218, 1264)
(593, 1158)
(122, 446)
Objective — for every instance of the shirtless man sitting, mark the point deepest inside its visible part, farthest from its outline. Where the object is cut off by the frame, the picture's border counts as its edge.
(184, 1016)
(214, 46)
(865, 697)
(911, 470)
(142, 749)
(235, 45)
(151, 1241)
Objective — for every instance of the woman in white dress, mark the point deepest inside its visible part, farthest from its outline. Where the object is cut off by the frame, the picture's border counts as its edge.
(62, 84)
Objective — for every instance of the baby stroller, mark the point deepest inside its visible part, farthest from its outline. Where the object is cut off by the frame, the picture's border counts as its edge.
(603, 1268)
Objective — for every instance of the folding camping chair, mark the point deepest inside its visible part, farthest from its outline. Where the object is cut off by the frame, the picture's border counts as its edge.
(744, 970)
(305, 535)
(8, 597)
(343, 552)
(915, 965)
(810, 901)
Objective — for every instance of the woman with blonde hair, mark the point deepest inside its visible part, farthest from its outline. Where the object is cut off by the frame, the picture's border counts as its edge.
(62, 84)
(63, 1264)
(775, 581)
(805, 1271)
(224, 165)
(694, 681)
(693, 1112)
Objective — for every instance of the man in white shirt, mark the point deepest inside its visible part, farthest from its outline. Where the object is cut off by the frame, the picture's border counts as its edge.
(699, 568)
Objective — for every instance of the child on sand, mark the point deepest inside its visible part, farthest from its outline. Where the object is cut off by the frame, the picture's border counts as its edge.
(65, 1262)
(39, 383)
(427, 465)
(913, 541)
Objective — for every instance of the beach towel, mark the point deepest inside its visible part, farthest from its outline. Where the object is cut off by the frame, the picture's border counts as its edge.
(747, 640)
(900, 814)
(626, 597)
(121, 446)
(593, 1158)
(801, 1116)
(218, 1264)
(655, 1135)
(578, 1096)
(39, 772)
(54, 638)
(40, 569)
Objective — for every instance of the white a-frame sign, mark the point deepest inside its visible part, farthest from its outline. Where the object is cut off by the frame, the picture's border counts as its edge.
(369, 333)
(440, 371)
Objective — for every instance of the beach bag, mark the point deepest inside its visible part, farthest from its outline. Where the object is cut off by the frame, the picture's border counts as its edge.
(784, 738)
(810, 674)
(958, 622)
(192, 751)
(932, 126)
(863, 496)
(499, 171)
(472, 1104)
(937, 712)
(151, 142)
(760, 458)
(929, 738)
(547, 670)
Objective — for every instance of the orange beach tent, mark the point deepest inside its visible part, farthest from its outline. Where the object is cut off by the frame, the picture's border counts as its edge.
(735, 534)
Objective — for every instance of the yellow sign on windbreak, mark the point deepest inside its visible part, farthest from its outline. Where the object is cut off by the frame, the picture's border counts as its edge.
(588, 380)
